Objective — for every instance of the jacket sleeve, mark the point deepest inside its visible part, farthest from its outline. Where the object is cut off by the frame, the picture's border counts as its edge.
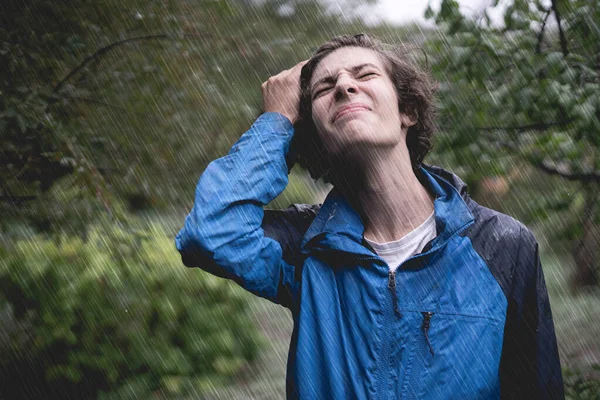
(224, 233)
(530, 366)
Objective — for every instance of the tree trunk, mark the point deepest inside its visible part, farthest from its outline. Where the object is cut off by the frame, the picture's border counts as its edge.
(587, 250)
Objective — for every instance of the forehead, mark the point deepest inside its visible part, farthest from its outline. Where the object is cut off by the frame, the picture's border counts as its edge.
(345, 58)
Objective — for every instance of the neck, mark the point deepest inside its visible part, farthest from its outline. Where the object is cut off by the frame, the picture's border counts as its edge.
(386, 193)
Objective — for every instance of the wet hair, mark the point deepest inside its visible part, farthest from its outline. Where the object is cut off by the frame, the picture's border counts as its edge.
(415, 90)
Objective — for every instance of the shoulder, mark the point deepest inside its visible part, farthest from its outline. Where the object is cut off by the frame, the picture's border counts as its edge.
(492, 228)
(507, 246)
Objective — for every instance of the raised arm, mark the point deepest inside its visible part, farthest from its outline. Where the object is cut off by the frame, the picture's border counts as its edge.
(224, 233)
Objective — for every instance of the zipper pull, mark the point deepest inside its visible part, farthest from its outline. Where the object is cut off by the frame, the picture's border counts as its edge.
(392, 287)
(425, 327)
(392, 279)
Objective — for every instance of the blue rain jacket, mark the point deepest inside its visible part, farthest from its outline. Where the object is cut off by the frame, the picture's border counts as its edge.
(467, 318)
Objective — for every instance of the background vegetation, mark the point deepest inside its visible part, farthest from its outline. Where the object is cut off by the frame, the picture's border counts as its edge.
(109, 112)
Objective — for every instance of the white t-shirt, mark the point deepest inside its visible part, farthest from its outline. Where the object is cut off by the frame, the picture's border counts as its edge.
(396, 252)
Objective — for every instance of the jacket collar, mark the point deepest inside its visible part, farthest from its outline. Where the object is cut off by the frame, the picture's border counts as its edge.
(339, 227)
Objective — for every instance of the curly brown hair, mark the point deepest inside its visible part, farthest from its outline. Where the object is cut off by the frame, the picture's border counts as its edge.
(415, 90)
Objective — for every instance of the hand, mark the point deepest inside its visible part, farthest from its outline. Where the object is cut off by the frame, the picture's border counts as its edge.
(281, 93)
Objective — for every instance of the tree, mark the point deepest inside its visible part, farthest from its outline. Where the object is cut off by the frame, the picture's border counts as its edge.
(527, 93)
(117, 105)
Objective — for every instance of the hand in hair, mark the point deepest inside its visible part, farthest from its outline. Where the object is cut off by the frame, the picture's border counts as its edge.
(281, 92)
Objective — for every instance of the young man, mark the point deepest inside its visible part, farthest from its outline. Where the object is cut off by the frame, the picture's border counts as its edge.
(400, 285)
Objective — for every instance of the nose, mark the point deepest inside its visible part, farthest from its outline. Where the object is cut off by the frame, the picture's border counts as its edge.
(345, 86)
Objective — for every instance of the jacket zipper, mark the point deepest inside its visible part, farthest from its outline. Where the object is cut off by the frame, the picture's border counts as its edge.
(392, 287)
(383, 368)
(423, 345)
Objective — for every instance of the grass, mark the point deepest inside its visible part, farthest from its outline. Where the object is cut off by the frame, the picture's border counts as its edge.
(575, 316)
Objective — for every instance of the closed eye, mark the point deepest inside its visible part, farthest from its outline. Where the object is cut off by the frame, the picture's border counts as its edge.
(320, 91)
(324, 89)
(368, 74)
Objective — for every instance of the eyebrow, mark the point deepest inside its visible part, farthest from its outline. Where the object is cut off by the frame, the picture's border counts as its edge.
(354, 70)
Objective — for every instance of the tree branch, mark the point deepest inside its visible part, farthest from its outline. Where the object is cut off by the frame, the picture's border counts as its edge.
(563, 39)
(538, 46)
(108, 48)
(588, 177)
(540, 126)
(580, 177)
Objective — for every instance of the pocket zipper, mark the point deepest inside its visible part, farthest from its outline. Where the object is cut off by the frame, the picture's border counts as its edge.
(416, 369)
(425, 328)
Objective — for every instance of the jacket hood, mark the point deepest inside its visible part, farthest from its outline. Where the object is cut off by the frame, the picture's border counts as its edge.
(339, 227)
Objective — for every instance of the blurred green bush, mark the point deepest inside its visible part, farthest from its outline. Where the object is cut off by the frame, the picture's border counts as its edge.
(115, 316)
(582, 385)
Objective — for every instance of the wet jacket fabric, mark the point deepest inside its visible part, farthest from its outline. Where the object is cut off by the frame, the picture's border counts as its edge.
(467, 318)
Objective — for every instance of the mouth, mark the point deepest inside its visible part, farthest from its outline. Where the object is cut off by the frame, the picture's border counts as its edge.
(350, 108)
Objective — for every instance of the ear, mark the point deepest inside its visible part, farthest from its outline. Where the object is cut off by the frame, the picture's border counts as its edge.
(408, 119)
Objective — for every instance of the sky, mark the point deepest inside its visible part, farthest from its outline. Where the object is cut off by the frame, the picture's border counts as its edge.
(402, 12)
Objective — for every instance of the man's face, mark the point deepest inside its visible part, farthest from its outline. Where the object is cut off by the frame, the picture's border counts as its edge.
(354, 102)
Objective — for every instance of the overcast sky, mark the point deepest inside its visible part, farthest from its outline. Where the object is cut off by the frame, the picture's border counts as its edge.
(401, 12)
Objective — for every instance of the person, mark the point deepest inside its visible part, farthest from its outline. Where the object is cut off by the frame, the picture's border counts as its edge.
(399, 284)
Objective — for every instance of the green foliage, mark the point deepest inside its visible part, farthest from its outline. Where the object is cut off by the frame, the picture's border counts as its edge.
(115, 316)
(580, 387)
(576, 325)
(300, 188)
(519, 88)
(525, 93)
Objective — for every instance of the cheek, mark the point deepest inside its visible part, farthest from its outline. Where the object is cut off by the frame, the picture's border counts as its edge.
(391, 107)
(319, 116)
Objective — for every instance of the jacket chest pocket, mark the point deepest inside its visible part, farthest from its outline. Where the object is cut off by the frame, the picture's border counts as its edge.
(419, 354)
(451, 356)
